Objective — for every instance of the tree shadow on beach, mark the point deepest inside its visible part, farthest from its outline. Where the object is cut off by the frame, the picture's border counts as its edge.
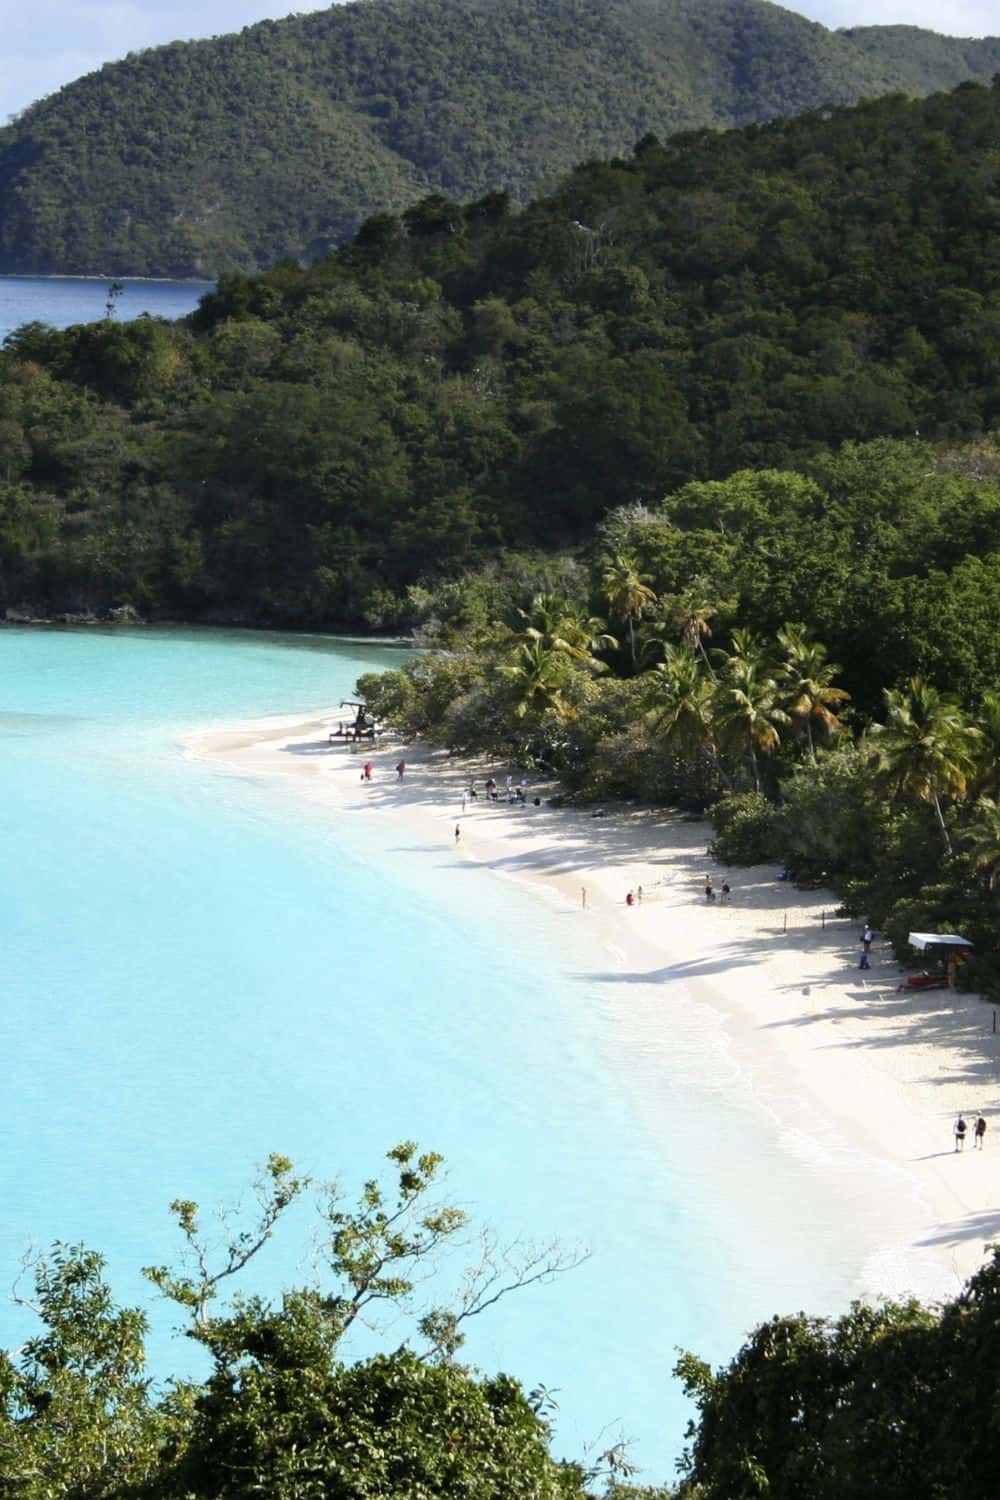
(940, 1019)
(690, 969)
(984, 1226)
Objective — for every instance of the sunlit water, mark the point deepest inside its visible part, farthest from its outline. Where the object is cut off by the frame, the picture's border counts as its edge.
(200, 969)
(63, 300)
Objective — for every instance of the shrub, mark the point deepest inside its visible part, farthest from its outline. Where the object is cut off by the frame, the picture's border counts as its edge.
(744, 830)
(829, 821)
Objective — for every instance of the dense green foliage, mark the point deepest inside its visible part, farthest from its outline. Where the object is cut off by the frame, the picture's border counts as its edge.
(231, 153)
(283, 1411)
(812, 657)
(892, 1401)
(464, 382)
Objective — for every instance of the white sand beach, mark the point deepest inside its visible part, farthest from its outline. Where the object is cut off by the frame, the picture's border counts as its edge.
(838, 1055)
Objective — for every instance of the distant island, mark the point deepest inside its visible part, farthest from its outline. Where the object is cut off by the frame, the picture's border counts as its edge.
(230, 154)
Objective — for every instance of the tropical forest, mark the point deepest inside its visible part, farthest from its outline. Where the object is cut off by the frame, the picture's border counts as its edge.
(229, 153)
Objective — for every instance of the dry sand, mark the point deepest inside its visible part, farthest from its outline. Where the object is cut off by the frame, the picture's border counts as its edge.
(837, 1054)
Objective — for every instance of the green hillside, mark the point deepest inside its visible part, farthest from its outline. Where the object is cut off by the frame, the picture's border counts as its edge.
(929, 61)
(462, 380)
(231, 153)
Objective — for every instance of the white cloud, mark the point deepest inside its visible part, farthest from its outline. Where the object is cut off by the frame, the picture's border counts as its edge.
(47, 43)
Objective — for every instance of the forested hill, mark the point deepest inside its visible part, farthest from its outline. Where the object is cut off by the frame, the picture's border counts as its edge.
(231, 153)
(463, 380)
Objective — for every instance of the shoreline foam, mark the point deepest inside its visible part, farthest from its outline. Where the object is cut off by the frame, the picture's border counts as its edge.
(850, 1069)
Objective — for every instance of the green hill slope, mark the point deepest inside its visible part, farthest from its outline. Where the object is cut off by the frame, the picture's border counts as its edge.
(464, 380)
(231, 153)
(928, 61)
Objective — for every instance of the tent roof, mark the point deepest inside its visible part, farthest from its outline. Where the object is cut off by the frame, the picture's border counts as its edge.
(922, 940)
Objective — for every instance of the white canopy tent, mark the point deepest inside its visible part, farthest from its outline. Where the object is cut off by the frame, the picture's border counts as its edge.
(924, 940)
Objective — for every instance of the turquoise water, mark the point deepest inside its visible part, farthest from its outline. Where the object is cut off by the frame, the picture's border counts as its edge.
(200, 969)
(63, 300)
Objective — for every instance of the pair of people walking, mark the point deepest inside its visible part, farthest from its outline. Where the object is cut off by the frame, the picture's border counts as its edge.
(962, 1130)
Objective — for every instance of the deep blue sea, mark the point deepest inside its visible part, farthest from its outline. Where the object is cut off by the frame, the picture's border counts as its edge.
(62, 300)
(200, 968)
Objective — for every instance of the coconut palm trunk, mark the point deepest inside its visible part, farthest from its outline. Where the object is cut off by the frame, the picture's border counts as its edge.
(754, 767)
(941, 823)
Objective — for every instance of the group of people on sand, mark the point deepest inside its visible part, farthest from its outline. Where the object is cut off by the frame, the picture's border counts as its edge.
(368, 768)
(515, 795)
(962, 1130)
(518, 794)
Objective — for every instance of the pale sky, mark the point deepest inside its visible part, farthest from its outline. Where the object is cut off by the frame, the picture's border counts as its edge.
(47, 43)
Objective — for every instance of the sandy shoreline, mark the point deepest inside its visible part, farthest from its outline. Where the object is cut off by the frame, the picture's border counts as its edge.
(835, 1053)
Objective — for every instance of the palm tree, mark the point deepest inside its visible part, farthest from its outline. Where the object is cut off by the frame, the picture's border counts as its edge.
(561, 624)
(693, 612)
(983, 839)
(807, 677)
(627, 591)
(682, 701)
(537, 676)
(988, 755)
(925, 748)
(748, 708)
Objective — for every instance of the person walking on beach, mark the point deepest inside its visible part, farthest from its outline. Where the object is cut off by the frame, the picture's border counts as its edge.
(960, 1129)
(368, 770)
(458, 833)
(401, 770)
(583, 898)
(725, 893)
(464, 797)
(630, 899)
(709, 892)
(980, 1133)
(638, 894)
(866, 938)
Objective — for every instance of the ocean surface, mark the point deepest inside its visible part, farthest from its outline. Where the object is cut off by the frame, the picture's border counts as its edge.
(199, 969)
(62, 300)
